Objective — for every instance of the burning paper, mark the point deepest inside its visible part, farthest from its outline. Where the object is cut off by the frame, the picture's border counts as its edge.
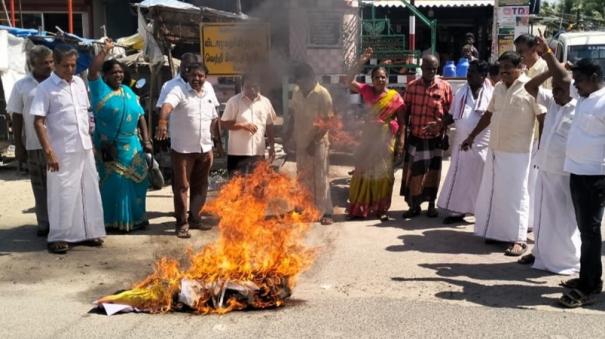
(254, 262)
(339, 136)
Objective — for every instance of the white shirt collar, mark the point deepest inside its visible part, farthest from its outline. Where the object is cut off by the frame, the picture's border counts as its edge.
(600, 92)
(190, 89)
(57, 80)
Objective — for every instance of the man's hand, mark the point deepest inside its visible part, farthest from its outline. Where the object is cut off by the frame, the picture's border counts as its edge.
(468, 143)
(161, 132)
(20, 153)
(147, 146)
(107, 45)
(220, 151)
(52, 161)
(433, 127)
(248, 126)
(541, 45)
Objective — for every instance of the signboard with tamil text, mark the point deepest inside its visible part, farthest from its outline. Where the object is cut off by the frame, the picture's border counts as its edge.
(233, 48)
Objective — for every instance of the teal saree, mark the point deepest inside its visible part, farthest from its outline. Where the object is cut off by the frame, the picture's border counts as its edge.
(123, 181)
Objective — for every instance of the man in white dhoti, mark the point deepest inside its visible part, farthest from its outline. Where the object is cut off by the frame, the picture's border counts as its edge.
(60, 107)
(502, 207)
(312, 102)
(556, 235)
(463, 179)
(585, 161)
(526, 45)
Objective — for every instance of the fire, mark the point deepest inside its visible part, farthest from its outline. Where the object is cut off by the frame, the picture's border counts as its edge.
(254, 262)
(339, 137)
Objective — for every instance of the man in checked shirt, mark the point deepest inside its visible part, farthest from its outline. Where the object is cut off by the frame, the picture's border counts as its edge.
(427, 100)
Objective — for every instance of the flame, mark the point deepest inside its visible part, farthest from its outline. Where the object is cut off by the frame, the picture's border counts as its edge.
(339, 137)
(259, 251)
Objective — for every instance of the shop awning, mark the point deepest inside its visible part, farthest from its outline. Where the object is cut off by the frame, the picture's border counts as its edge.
(430, 3)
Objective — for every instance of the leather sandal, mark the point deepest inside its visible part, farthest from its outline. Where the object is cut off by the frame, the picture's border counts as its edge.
(183, 234)
(516, 251)
(58, 247)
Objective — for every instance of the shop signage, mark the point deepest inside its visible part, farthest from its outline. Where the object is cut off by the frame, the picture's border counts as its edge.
(232, 48)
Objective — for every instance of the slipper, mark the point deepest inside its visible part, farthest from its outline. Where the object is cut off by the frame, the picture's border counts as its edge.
(575, 283)
(576, 298)
(515, 251)
(527, 259)
(183, 234)
(412, 212)
(58, 247)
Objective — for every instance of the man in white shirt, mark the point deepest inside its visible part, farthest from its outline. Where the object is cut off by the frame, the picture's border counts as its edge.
(60, 107)
(192, 114)
(526, 45)
(502, 206)
(459, 192)
(248, 116)
(556, 237)
(186, 59)
(27, 146)
(585, 160)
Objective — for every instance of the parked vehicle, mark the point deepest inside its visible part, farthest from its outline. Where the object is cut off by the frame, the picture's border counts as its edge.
(574, 46)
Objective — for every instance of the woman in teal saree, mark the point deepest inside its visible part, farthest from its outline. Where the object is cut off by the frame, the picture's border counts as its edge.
(119, 154)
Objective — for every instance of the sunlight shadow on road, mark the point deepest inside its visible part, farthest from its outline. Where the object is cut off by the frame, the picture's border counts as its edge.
(444, 241)
(494, 271)
(21, 239)
(499, 295)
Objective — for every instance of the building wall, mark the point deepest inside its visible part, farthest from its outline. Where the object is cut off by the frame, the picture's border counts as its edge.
(329, 59)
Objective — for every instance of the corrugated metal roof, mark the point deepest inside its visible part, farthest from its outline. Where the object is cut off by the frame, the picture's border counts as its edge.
(431, 3)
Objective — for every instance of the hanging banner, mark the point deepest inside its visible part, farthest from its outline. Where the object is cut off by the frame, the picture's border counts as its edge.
(507, 16)
(234, 48)
(512, 18)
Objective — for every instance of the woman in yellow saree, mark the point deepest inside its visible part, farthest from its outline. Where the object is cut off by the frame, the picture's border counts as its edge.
(372, 183)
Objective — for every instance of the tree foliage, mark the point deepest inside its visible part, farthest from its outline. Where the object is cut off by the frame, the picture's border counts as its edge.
(571, 15)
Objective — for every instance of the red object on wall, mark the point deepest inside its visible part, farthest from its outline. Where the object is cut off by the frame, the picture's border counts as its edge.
(70, 16)
(12, 9)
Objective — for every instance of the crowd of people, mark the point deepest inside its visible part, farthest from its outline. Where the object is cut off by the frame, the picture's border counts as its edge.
(527, 154)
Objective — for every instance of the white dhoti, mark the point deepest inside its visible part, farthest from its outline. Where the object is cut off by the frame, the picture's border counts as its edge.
(75, 210)
(531, 185)
(313, 173)
(502, 208)
(557, 239)
(463, 179)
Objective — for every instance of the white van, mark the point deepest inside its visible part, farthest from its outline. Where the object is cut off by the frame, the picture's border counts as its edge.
(578, 45)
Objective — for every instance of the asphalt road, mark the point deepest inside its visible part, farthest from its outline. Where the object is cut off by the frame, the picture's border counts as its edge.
(412, 278)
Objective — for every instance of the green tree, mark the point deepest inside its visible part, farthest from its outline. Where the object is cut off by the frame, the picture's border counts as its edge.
(574, 15)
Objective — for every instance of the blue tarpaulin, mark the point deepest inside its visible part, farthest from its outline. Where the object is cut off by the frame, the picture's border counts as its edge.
(21, 32)
(83, 45)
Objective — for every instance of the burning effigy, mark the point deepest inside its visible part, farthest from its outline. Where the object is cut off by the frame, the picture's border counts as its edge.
(254, 262)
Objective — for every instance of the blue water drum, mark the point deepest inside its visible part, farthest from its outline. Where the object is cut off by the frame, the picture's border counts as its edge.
(462, 68)
(449, 70)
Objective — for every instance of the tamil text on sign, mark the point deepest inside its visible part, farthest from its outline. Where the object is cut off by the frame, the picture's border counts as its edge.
(233, 48)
